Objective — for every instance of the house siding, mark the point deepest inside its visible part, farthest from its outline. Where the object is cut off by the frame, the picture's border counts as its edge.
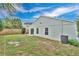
(56, 28)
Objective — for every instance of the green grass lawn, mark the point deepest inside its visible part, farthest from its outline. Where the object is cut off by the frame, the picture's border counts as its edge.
(35, 46)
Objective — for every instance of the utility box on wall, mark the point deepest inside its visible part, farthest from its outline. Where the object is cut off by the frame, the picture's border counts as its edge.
(64, 39)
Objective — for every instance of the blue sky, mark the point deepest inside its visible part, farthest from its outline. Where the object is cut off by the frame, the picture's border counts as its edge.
(29, 12)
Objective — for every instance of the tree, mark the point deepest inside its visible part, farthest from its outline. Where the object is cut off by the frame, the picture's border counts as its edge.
(7, 23)
(12, 23)
(16, 22)
(9, 7)
(1, 25)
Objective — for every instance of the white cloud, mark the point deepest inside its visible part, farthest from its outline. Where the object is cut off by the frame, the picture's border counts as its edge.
(3, 13)
(20, 8)
(35, 9)
(61, 10)
(38, 9)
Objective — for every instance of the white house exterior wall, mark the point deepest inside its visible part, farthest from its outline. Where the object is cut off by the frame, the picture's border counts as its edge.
(56, 28)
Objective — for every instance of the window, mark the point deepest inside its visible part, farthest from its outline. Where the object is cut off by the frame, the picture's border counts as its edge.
(46, 31)
(32, 31)
(37, 31)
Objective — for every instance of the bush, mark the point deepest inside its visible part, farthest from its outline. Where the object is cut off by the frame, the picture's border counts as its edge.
(74, 42)
(10, 31)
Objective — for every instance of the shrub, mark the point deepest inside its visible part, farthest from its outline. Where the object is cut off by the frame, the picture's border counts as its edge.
(74, 42)
(10, 31)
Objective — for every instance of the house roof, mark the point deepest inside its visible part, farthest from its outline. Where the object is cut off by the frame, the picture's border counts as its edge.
(58, 19)
(27, 23)
(54, 19)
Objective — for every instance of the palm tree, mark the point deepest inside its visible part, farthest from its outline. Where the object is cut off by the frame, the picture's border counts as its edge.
(9, 7)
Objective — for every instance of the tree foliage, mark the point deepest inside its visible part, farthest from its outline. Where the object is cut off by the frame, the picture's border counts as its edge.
(9, 7)
(12, 23)
(1, 25)
(16, 23)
